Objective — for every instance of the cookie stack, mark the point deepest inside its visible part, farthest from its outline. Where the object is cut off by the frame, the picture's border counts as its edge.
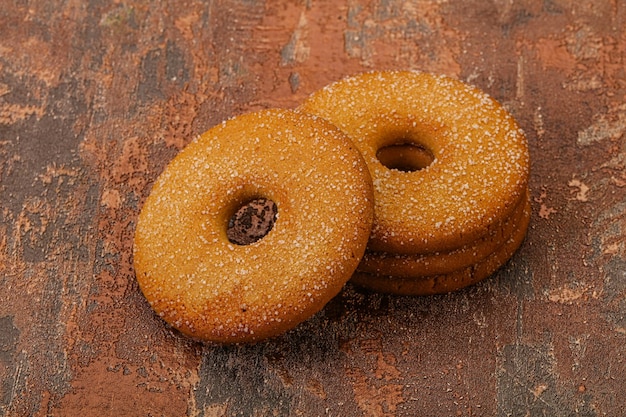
(406, 182)
(450, 170)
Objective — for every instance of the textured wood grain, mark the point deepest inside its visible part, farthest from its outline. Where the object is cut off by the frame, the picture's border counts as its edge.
(96, 97)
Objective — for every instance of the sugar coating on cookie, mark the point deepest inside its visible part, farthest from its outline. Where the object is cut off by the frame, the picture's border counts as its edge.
(480, 163)
(212, 289)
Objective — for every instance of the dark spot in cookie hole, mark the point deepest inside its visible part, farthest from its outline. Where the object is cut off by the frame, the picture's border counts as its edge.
(252, 221)
(405, 157)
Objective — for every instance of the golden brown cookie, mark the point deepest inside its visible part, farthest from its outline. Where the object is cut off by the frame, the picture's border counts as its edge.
(439, 284)
(215, 289)
(480, 160)
(437, 263)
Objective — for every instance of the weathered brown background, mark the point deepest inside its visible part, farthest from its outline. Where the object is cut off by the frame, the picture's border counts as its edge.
(97, 96)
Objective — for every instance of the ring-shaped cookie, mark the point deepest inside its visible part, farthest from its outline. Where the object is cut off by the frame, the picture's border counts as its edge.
(215, 290)
(480, 166)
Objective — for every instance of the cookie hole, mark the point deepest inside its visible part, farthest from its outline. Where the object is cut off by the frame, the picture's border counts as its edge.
(405, 157)
(252, 221)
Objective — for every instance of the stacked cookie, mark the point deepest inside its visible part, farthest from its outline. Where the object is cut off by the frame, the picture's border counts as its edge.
(450, 171)
(405, 182)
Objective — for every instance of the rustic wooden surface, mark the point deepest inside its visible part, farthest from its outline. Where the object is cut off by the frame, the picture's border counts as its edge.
(96, 97)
